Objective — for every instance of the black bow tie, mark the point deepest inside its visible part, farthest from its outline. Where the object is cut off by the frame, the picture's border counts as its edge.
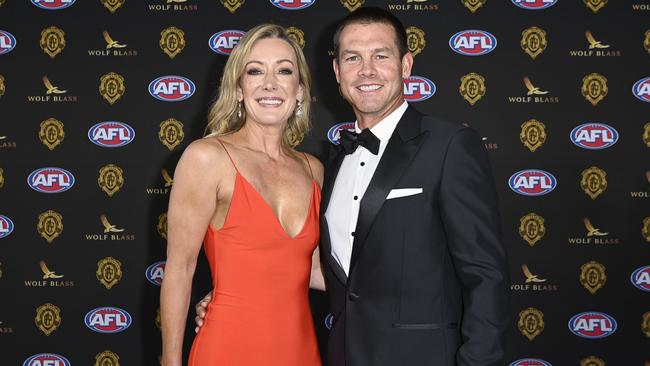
(351, 140)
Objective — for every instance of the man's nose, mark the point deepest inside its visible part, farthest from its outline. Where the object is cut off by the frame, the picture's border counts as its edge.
(368, 68)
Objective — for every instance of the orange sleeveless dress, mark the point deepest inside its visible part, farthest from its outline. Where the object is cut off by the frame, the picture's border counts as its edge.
(259, 314)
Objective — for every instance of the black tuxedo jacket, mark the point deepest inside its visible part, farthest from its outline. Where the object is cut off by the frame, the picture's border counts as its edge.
(428, 282)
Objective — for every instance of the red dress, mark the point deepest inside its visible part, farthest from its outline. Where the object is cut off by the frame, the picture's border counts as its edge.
(259, 313)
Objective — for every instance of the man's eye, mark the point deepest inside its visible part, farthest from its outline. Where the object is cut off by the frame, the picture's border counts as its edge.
(381, 57)
(352, 58)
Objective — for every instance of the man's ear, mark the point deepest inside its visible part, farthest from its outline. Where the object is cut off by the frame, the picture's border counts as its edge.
(407, 64)
(335, 66)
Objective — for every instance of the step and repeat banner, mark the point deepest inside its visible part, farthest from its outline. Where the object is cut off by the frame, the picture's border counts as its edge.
(100, 97)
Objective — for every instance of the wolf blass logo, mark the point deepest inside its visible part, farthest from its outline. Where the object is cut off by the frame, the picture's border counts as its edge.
(114, 47)
(53, 93)
(167, 180)
(532, 283)
(109, 233)
(172, 7)
(534, 94)
(596, 48)
(49, 279)
(593, 236)
(417, 5)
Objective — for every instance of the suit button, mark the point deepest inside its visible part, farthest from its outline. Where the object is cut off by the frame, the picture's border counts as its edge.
(353, 297)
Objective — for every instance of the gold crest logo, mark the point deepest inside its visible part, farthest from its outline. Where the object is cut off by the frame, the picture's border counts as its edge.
(111, 179)
(107, 358)
(595, 5)
(48, 318)
(645, 230)
(111, 87)
(592, 361)
(592, 276)
(472, 87)
(415, 40)
(109, 272)
(162, 225)
(645, 324)
(171, 133)
(352, 5)
(533, 134)
(593, 181)
(591, 230)
(594, 88)
(50, 225)
(52, 41)
(50, 88)
(533, 41)
(646, 41)
(531, 323)
(530, 277)
(112, 5)
(51, 133)
(2, 178)
(157, 320)
(232, 5)
(646, 134)
(297, 35)
(172, 41)
(531, 228)
(2, 85)
(473, 5)
(47, 273)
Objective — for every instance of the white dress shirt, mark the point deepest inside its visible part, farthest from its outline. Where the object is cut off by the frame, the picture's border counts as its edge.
(350, 185)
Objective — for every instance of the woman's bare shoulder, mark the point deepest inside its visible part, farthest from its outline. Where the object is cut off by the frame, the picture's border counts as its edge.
(316, 168)
(206, 155)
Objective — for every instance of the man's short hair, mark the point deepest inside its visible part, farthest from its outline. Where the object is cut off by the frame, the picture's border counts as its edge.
(368, 15)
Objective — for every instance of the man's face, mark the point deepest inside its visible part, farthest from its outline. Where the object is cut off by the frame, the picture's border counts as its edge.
(370, 70)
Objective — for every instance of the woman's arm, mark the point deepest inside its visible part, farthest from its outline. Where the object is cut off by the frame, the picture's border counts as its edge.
(317, 279)
(192, 204)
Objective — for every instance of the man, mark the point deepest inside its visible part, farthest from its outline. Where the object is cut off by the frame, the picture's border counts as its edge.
(410, 240)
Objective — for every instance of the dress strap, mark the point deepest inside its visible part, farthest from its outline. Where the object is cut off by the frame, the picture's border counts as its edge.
(309, 165)
(229, 157)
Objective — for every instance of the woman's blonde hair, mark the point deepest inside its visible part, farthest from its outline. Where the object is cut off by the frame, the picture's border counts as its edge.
(223, 117)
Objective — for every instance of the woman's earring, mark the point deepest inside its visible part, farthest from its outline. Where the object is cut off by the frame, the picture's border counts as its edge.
(298, 108)
(239, 109)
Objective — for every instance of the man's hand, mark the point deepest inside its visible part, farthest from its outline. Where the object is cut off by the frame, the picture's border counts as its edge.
(201, 308)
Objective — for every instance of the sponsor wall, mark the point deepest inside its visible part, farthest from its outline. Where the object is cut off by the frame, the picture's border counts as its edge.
(560, 95)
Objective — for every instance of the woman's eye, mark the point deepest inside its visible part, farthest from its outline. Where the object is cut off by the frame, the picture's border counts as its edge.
(286, 71)
(253, 71)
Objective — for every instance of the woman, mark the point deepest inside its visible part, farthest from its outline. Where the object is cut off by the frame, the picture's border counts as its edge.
(253, 201)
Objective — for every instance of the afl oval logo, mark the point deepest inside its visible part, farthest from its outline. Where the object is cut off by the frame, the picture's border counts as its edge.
(111, 134)
(46, 359)
(329, 321)
(333, 133)
(223, 42)
(594, 136)
(473, 42)
(592, 325)
(532, 182)
(50, 180)
(171, 88)
(418, 88)
(6, 226)
(534, 4)
(107, 320)
(530, 362)
(641, 90)
(53, 4)
(293, 4)
(155, 273)
(7, 42)
(640, 278)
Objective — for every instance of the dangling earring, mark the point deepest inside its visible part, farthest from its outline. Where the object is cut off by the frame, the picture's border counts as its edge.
(298, 108)
(239, 109)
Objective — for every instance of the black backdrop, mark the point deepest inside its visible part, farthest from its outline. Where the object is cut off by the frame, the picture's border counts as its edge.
(71, 241)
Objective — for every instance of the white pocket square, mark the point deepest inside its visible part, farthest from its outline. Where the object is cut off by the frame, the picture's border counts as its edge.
(403, 192)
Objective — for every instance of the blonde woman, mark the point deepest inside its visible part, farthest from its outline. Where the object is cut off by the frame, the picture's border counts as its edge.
(253, 201)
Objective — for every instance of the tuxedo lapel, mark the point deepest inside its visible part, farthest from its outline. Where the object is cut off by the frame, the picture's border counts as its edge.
(401, 148)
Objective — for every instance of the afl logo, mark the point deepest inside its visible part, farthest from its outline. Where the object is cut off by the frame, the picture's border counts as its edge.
(640, 278)
(111, 134)
(50, 180)
(594, 136)
(53, 4)
(155, 273)
(532, 182)
(6, 226)
(329, 321)
(171, 88)
(418, 88)
(46, 359)
(223, 42)
(641, 89)
(592, 325)
(472, 42)
(7, 42)
(333, 133)
(534, 4)
(530, 362)
(107, 320)
(293, 4)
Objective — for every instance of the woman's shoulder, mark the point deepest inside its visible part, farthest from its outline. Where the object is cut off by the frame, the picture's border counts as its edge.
(316, 167)
(205, 153)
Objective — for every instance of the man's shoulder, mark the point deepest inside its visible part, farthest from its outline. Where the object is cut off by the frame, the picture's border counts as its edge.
(441, 127)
